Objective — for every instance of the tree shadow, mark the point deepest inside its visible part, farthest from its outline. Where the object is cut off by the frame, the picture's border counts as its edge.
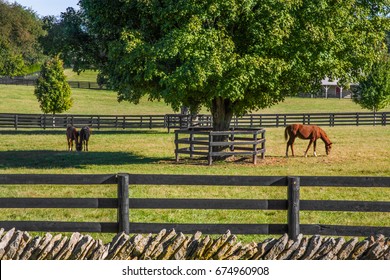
(45, 159)
(94, 131)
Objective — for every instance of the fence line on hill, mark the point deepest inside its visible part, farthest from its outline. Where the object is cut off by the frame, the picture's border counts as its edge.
(31, 82)
(173, 121)
(293, 205)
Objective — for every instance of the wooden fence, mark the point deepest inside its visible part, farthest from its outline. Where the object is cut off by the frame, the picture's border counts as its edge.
(48, 121)
(293, 205)
(31, 82)
(281, 120)
(203, 142)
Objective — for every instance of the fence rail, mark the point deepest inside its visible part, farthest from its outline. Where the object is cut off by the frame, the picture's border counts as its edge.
(280, 120)
(205, 142)
(31, 82)
(293, 205)
(48, 121)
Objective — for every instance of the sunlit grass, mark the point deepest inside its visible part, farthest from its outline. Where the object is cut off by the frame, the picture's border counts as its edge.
(357, 151)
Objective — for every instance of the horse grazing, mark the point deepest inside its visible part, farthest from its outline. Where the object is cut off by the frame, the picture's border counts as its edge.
(85, 133)
(311, 132)
(72, 135)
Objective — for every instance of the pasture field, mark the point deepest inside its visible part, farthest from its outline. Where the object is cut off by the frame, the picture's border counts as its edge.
(357, 151)
(85, 76)
(21, 99)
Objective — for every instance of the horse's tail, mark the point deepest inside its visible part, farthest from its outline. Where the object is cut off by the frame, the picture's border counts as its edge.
(286, 132)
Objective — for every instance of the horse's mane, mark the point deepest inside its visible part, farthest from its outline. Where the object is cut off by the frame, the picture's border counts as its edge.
(324, 136)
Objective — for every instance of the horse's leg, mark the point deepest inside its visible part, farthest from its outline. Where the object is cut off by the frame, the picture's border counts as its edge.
(290, 143)
(86, 145)
(308, 147)
(314, 147)
(287, 149)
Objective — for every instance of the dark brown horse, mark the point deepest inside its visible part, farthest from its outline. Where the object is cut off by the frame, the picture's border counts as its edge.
(311, 132)
(85, 133)
(71, 135)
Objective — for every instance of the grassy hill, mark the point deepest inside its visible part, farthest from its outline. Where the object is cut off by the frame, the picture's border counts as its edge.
(21, 99)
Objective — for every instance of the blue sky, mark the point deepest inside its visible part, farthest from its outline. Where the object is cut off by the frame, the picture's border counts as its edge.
(48, 7)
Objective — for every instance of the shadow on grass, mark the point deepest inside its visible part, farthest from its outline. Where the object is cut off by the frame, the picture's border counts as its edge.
(57, 159)
(94, 131)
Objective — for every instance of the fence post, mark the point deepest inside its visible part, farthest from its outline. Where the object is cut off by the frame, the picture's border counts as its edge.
(293, 207)
(383, 118)
(263, 144)
(192, 139)
(176, 145)
(123, 203)
(16, 122)
(209, 157)
(254, 157)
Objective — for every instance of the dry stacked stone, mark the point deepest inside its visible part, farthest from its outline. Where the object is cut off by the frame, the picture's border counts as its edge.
(170, 245)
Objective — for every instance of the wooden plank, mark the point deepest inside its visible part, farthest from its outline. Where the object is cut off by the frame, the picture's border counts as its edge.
(240, 153)
(336, 230)
(56, 226)
(342, 205)
(207, 180)
(57, 179)
(345, 181)
(236, 143)
(195, 142)
(58, 203)
(244, 204)
(209, 228)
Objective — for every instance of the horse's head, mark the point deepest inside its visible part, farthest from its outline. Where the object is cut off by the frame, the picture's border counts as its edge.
(328, 147)
(79, 146)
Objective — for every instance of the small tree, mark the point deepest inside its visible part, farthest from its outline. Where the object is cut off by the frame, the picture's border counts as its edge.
(373, 91)
(51, 89)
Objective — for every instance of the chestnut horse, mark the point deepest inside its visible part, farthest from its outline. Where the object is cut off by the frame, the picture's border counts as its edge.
(311, 132)
(71, 135)
(85, 133)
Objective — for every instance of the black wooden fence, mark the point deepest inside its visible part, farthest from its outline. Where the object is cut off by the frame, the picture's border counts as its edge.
(48, 121)
(31, 82)
(208, 143)
(292, 204)
(280, 120)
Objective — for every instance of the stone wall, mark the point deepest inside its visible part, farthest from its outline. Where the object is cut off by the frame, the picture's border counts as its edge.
(19, 245)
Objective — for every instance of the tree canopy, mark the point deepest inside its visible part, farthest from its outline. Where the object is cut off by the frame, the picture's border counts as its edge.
(233, 56)
(20, 29)
(68, 37)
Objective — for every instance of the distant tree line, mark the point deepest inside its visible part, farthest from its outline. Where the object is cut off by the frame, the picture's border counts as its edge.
(20, 30)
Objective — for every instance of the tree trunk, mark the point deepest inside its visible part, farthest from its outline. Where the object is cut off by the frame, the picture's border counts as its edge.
(222, 111)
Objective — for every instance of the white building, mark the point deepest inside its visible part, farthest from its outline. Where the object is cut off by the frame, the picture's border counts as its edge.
(330, 88)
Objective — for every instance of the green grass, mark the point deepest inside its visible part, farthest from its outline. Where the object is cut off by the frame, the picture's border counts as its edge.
(85, 76)
(151, 151)
(21, 99)
(357, 151)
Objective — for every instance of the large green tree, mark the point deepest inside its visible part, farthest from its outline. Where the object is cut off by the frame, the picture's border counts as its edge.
(233, 56)
(68, 37)
(20, 29)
